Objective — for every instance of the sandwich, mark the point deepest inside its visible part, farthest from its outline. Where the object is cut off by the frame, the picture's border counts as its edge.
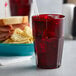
(15, 30)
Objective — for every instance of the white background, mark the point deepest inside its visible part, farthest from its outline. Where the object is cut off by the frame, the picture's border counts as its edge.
(44, 6)
(50, 6)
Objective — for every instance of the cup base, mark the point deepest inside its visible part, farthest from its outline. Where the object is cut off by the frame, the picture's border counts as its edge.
(48, 67)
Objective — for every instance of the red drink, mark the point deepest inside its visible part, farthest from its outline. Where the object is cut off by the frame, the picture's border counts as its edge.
(48, 34)
(20, 7)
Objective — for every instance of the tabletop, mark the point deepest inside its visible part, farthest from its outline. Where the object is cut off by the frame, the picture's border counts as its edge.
(28, 68)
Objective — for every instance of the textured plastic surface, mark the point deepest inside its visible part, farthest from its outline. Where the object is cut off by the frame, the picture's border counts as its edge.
(16, 49)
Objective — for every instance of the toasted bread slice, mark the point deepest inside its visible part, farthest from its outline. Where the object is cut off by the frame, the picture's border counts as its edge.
(13, 20)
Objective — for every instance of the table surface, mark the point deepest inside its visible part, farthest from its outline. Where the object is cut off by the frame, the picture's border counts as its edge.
(28, 68)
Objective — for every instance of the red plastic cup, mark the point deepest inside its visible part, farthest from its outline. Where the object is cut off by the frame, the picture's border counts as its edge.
(20, 7)
(48, 35)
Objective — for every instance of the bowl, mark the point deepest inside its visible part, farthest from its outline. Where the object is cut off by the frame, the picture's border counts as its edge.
(16, 49)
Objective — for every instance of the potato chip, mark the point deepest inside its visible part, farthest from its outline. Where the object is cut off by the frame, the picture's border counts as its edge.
(18, 35)
(21, 42)
(21, 36)
(28, 31)
(8, 41)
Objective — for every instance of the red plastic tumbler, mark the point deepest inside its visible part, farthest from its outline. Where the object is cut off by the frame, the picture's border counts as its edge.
(48, 35)
(20, 7)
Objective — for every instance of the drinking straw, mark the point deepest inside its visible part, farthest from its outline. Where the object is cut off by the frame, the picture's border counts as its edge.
(5, 8)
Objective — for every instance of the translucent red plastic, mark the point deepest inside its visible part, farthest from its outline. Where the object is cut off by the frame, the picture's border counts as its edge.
(20, 7)
(48, 35)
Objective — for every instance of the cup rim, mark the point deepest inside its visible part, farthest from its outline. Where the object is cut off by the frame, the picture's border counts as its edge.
(59, 16)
